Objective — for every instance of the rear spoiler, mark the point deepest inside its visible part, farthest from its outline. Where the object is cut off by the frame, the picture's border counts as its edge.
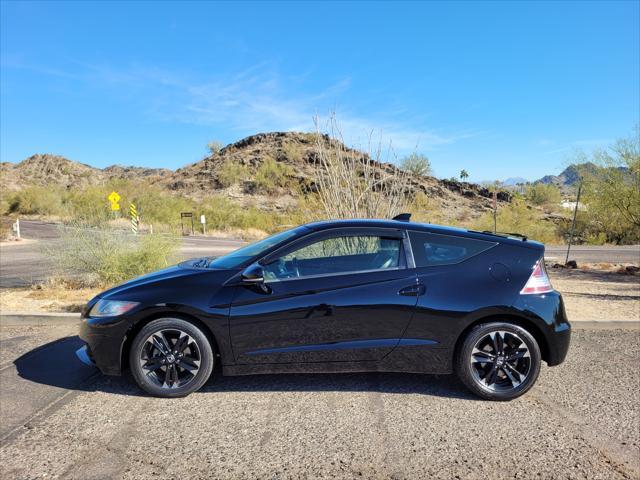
(503, 234)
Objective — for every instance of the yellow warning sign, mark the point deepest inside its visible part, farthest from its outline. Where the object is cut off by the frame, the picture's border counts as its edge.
(114, 198)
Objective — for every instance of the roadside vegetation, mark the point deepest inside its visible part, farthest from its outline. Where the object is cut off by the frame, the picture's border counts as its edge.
(612, 193)
(101, 258)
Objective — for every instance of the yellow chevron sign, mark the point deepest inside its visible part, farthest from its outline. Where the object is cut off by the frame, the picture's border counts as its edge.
(133, 211)
(114, 198)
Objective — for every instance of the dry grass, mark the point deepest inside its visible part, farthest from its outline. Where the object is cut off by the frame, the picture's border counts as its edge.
(50, 297)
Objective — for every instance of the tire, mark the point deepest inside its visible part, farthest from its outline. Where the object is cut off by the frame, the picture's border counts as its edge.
(176, 371)
(502, 376)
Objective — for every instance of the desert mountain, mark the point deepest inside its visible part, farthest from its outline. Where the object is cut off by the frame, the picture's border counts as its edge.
(570, 175)
(240, 171)
(46, 169)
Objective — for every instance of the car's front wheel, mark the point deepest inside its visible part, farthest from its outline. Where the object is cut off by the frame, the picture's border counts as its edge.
(498, 361)
(171, 357)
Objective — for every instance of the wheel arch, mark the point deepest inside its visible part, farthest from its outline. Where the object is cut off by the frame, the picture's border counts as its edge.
(526, 323)
(140, 324)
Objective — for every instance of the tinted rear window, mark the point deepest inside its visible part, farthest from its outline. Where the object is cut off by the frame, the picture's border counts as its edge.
(434, 249)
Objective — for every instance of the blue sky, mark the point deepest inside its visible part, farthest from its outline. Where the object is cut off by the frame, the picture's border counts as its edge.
(499, 89)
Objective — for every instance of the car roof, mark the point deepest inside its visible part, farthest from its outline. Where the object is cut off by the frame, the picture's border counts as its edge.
(424, 227)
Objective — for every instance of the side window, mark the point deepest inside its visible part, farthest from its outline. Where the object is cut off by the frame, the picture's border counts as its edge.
(431, 249)
(340, 254)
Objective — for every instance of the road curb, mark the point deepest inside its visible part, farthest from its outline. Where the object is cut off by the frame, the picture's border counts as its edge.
(40, 319)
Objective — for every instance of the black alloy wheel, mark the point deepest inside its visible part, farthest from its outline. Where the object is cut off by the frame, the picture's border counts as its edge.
(498, 361)
(171, 357)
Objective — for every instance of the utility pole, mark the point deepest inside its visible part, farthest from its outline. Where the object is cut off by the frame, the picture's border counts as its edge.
(573, 223)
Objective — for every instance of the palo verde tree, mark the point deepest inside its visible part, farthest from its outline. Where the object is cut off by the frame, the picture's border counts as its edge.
(417, 164)
(612, 190)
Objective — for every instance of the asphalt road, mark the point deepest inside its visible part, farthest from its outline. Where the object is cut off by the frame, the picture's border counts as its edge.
(25, 264)
(60, 419)
(22, 265)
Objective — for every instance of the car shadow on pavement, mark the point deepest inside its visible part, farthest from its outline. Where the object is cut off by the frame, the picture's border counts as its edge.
(55, 364)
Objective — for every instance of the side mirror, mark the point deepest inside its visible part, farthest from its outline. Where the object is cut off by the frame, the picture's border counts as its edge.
(253, 275)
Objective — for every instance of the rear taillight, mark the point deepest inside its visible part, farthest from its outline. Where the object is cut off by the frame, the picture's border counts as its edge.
(538, 281)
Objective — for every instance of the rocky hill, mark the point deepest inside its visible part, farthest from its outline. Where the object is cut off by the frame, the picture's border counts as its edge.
(270, 170)
(46, 169)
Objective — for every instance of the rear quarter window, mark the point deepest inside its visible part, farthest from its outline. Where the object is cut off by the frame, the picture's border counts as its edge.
(431, 249)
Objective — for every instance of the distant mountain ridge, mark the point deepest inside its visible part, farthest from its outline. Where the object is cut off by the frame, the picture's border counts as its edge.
(570, 175)
(47, 169)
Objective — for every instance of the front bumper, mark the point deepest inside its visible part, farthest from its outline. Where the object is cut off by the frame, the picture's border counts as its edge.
(104, 338)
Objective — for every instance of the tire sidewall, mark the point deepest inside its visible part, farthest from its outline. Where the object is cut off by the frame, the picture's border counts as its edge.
(206, 353)
(464, 368)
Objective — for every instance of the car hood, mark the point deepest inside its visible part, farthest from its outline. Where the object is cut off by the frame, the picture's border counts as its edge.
(171, 274)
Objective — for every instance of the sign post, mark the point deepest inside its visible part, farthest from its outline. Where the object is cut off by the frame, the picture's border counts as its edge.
(573, 223)
(16, 228)
(188, 215)
(495, 212)
(203, 221)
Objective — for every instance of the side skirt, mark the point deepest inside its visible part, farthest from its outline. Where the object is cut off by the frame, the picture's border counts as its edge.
(405, 359)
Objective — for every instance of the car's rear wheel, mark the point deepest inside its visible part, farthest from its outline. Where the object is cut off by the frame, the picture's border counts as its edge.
(498, 361)
(171, 357)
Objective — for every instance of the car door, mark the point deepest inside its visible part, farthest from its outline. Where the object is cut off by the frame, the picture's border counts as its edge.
(336, 295)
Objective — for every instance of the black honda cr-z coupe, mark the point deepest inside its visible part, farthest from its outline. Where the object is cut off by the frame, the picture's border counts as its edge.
(339, 296)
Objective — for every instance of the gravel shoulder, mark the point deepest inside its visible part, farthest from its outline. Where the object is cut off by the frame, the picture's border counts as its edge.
(598, 296)
(580, 421)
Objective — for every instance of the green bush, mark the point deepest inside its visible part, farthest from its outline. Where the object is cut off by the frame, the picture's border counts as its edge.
(37, 200)
(272, 175)
(101, 258)
(292, 152)
(518, 218)
(231, 173)
(541, 194)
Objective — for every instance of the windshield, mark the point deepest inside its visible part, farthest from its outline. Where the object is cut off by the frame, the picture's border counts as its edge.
(244, 254)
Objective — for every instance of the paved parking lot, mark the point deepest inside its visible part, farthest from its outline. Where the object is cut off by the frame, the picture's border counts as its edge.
(61, 420)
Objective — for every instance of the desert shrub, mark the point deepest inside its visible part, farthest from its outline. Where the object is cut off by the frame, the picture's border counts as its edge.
(517, 217)
(424, 209)
(36, 200)
(541, 194)
(292, 152)
(416, 164)
(222, 214)
(5, 228)
(272, 175)
(214, 147)
(231, 173)
(102, 258)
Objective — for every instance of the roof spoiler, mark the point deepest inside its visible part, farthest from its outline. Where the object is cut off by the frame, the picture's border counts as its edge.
(403, 217)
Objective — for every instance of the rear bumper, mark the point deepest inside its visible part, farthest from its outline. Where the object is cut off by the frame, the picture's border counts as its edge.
(548, 312)
(558, 345)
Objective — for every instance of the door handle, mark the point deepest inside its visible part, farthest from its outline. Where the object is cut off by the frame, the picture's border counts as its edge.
(413, 290)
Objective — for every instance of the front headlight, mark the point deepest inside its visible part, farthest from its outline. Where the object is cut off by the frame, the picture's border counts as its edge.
(111, 308)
